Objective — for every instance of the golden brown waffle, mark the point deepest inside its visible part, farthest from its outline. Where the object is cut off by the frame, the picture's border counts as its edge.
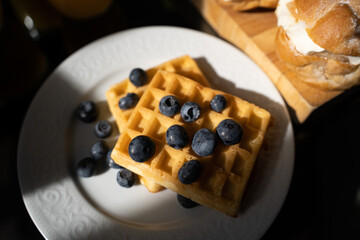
(225, 173)
(183, 65)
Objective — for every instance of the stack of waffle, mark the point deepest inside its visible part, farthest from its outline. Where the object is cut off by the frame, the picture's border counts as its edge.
(225, 173)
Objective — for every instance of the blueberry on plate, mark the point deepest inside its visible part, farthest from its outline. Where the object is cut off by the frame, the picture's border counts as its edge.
(103, 129)
(176, 137)
(129, 101)
(141, 148)
(87, 111)
(125, 178)
(86, 167)
(218, 103)
(204, 142)
(110, 162)
(99, 150)
(189, 172)
(190, 111)
(186, 202)
(169, 105)
(229, 131)
(138, 77)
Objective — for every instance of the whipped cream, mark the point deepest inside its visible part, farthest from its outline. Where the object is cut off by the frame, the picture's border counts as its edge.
(296, 31)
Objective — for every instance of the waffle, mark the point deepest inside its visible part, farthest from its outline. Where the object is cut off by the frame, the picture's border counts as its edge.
(225, 173)
(183, 65)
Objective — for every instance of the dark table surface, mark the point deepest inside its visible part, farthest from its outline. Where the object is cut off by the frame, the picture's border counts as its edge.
(323, 201)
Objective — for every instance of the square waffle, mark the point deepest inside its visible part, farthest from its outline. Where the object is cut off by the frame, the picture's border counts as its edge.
(225, 173)
(183, 65)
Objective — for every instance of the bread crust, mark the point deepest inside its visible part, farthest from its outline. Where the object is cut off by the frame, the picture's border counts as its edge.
(332, 24)
(243, 5)
(324, 70)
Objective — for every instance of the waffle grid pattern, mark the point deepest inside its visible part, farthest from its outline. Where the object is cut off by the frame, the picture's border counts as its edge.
(225, 173)
(183, 65)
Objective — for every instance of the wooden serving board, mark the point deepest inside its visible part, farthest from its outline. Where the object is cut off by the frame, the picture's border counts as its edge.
(254, 33)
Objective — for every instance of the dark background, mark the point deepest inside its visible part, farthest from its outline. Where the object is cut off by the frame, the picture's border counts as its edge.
(324, 197)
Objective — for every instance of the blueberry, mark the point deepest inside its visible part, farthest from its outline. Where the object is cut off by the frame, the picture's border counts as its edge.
(99, 150)
(186, 202)
(189, 172)
(138, 77)
(204, 142)
(86, 167)
(110, 162)
(229, 131)
(176, 137)
(125, 178)
(169, 105)
(218, 103)
(141, 148)
(190, 111)
(87, 111)
(129, 101)
(103, 129)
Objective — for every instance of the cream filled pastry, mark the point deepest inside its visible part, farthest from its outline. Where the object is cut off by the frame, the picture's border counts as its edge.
(320, 41)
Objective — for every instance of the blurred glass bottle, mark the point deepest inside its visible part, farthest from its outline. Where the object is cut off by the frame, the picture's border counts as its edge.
(43, 24)
(22, 63)
(37, 16)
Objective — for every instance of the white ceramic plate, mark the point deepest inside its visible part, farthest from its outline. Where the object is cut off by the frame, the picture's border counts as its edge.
(52, 140)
